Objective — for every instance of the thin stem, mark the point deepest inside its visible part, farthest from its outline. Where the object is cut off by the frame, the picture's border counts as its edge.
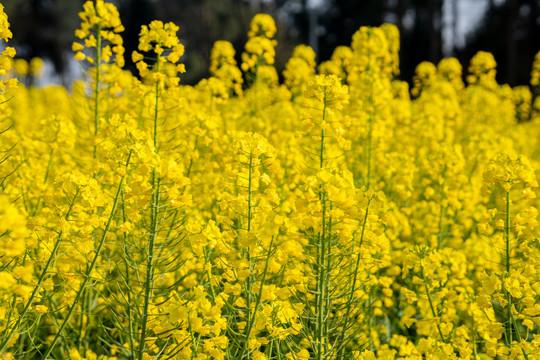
(36, 208)
(355, 275)
(96, 92)
(321, 287)
(328, 268)
(188, 171)
(209, 271)
(441, 212)
(370, 318)
(84, 304)
(130, 318)
(369, 150)
(432, 307)
(257, 302)
(250, 193)
(511, 319)
(128, 282)
(86, 294)
(320, 299)
(507, 232)
(148, 283)
(92, 265)
(509, 296)
(248, 280)
(473, 332)
(96, 129)
(156, 107)
(321, 154)
(40, 280)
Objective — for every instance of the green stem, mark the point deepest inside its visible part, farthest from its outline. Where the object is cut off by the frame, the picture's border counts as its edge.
(441, 211)
(341, 337)
(320, 298)
(321, 287)
(370, 318)
(36, 208)
(96, 92)
(84, 304)
(209, 272)
(257, 303)
(507, 232)
(156, 107)
(432, 307)
(40, 281)
(509, 296)
(148, 283)
(128, 283)
(511, 319)
(130, 316)
(250, 193)
(248, 280)
(369, 145)
(328, 299)
(194, 344)
(321, 154)
(473, 331)
(88, 274)
(96, 129)
(188, 172)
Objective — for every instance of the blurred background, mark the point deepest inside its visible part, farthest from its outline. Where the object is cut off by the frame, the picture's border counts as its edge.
(430, 30)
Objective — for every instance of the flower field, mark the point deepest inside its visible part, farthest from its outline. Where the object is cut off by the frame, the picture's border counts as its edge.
(330, 213)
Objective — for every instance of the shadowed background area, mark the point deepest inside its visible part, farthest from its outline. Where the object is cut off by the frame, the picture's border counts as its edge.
(430, 29)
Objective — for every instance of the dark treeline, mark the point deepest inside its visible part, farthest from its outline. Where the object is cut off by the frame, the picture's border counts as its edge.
(510, 28)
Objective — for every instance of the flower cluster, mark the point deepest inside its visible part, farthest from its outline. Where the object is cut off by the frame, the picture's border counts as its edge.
(9, 52)
(100, 22)
(259, 53)
(162, 40)
(299, 69)
(223, 66)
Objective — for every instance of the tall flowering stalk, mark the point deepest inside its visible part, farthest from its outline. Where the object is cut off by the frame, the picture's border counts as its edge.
(100, 30)
(258, 66)
(511, 180)
(162, 41)
(330, 215)
(100, 46)
(259, 55)
(370, 71)
(247, 216)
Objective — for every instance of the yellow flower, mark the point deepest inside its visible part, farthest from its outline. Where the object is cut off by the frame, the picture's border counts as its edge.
(262, 25)
(79, 56)
(513, 286)
(99, 20)
(9, 51)
(5, 33)
(6, 280)
(257, 355)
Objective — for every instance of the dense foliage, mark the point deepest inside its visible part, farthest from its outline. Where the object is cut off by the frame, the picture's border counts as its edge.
(333, 215)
